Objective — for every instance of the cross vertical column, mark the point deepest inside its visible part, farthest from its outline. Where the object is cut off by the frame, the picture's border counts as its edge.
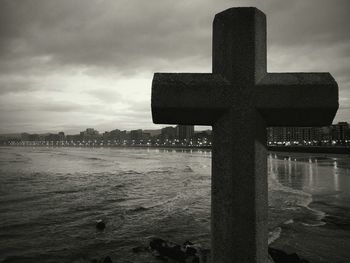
(239, 181)
(239, 190)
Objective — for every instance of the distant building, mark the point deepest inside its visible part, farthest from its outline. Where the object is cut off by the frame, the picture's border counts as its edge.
(340, 131)
(325, 134)
(184, 132)
(106, 136)
(89, 134)
(146, 135)
(136, 134)
(154, 132)
(34, 137)
(115, 135)
(168, 133)
(25, 136)
(71, 138)
(124, 135)
(52, 137)
(61, 136)
(202, 134)
(294, 135)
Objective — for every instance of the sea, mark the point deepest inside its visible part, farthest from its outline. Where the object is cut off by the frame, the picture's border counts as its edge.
(51, 198)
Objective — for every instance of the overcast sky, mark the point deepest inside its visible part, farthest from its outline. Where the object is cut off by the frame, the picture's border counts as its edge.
(72, 64)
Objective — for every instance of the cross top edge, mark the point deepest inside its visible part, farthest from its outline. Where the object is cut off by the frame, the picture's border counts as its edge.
(231, 10)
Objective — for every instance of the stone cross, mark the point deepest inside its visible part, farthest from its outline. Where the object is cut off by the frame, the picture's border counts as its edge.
(239, 100)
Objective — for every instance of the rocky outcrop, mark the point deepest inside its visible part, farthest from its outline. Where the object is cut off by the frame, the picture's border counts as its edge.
(191, 253)
(100, 225)
(187, 253)
(280, 256)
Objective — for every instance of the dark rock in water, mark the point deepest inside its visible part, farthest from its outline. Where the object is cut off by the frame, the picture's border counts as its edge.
(280, 256)
(102, 260)
(190, 253)
(205, 255)
(139, 249)
(100, 225)
(168, 250)
(107, 260)
(188, 243)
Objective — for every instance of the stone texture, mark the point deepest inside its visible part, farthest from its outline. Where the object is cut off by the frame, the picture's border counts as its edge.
(239, 100)
(297, 99)
(180, 90)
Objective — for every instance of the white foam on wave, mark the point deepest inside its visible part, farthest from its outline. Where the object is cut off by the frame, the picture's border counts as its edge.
(319, 214)
(296, 199)
(300, 198)
(274, 235)
(313, 225)
(290, 221)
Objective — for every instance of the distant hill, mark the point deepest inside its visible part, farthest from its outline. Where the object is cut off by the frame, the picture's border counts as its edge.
(11, 135)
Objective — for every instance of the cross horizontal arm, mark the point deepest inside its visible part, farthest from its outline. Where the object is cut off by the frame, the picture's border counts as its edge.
(188, 98)
(297, 99)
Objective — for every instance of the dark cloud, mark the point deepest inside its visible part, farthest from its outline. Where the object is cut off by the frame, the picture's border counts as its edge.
(126, 35)
(309, 22)
(106, 95)
(59, 107)
(16, 86)
(135, 35)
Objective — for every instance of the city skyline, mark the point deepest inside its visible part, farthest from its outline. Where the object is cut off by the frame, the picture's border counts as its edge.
(336, 135)
(190, 129)
(68, 65)
(101, 132)
(196, 128)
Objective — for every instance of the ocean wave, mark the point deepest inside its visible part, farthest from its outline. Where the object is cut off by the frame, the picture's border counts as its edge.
(95, 158)
(274, 235)
(187, 169)
(17, 199)
(15, 226)
(129, 172)
(165, 205)
(163, 170)
(135, 198)
(138, 209)
(295, 203)
(16, 161)
(314, 224)
(160, 171)
(296, 197)
(66, 191)
(318, 213)
(290, 221)
(118, 186)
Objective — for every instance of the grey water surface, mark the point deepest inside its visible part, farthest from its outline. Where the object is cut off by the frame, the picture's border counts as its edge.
(50, 199)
